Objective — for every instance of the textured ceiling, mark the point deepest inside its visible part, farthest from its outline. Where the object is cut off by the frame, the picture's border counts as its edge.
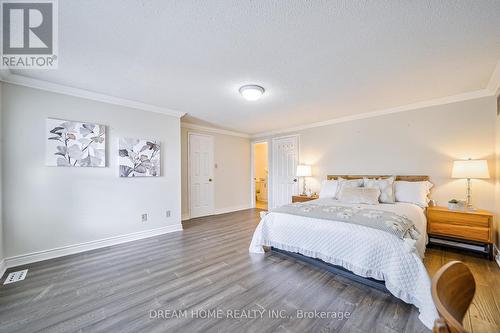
(318, 60)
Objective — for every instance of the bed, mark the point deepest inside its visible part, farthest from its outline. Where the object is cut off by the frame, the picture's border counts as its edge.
(371, 254)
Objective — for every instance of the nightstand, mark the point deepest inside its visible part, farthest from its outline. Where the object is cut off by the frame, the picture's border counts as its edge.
(303, 198)
(464, 229)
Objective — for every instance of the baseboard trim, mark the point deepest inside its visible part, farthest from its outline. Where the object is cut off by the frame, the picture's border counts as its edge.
(3, 268)
(218, 211)
(83, 247)
(232, 209)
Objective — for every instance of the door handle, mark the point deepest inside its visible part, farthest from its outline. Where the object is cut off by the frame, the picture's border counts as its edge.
(209, 179)
(295, 179)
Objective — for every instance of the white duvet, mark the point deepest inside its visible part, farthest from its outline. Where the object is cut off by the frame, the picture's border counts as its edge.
(365, 251)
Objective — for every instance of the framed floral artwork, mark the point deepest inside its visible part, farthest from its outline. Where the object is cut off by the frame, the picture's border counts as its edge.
(139, 158)
(75, 144)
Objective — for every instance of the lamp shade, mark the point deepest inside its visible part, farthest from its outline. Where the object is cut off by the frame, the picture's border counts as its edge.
(470, 169)
(303, 170)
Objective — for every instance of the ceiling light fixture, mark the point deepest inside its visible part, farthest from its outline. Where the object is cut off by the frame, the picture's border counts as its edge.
(251, 92)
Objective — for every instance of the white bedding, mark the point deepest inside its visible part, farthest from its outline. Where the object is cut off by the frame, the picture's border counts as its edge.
(365, 251)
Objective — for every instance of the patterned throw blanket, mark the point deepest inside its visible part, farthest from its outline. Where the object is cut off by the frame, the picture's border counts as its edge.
(400, 226)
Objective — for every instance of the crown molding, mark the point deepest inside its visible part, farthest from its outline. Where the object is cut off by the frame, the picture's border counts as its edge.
(214, 130)
(434, 102)
(7, 77)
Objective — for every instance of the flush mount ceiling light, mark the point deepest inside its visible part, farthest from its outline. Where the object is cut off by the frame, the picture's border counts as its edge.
(251, 92)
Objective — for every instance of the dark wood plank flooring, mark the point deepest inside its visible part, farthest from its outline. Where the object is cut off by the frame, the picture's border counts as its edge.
(207, 268)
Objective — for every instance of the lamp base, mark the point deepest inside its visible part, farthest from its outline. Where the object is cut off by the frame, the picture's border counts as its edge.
(468, 203)
(304, 191)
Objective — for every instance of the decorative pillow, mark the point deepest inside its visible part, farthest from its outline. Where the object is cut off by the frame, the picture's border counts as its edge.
(413, 192)
(329, 188)
(344, 183)
(360, 195)
(386, 187)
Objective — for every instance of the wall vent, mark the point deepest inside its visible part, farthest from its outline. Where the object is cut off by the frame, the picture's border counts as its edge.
(16, 276)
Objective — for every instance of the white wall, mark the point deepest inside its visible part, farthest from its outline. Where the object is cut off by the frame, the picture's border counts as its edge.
(498, 173)
(231, 177)
(49, 207)
(417, 142)
(260, 160)
(1, 187)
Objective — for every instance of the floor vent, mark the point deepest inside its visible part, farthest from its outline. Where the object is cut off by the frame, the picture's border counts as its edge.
(16, 276)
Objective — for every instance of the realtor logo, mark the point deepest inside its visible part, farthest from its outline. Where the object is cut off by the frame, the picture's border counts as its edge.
(29, 34)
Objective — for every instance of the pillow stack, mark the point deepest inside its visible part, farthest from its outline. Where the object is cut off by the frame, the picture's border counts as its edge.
(333, 188)
(386, 187)
(329, 189)
(386, 190)
(344, 183)
(413, 192)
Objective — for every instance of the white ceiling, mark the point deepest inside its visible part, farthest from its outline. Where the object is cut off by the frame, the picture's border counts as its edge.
(318, 60)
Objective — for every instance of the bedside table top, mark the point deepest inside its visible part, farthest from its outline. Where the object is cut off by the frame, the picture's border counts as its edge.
(460, 211)
(306, 196)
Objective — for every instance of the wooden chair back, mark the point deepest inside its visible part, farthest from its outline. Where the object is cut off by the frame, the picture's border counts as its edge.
(453, 289)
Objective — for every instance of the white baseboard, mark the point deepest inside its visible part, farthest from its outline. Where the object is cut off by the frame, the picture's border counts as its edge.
(3, 268)
(232, 209)
(82, 247)
(224, 210)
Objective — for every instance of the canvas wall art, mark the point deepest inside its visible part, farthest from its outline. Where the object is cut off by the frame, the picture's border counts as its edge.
(139, 158)
(75, 144)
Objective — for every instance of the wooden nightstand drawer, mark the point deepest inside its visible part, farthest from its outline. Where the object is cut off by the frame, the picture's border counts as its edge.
(459, 218)
(303, 198)
(467, 232)
(461, 229)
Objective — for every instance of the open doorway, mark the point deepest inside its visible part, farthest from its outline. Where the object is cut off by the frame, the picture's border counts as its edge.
(260, 174)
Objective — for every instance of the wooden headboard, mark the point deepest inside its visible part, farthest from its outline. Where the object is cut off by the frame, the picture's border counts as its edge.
(405, 178)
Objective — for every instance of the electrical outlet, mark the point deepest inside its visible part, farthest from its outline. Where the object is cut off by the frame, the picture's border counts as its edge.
(144, 217)
(167, 214)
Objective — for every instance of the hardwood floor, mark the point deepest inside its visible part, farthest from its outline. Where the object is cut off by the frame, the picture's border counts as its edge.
(208, 267)
(261, 204)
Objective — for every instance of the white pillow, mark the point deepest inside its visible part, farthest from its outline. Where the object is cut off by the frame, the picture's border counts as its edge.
(360, 195)
(386, 187)
(329, 188)
(344, 183)
(413, 192)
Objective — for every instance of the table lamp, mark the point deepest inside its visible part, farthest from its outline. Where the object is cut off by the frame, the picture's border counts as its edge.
(470, 169)
(304, 171)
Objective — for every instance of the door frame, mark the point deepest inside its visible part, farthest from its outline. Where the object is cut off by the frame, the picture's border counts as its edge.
(189, 133)
(269, 141)
(270, 185)
(252, 171)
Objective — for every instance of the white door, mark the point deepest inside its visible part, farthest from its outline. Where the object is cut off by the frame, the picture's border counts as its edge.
(201, 175)
(285, 157)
